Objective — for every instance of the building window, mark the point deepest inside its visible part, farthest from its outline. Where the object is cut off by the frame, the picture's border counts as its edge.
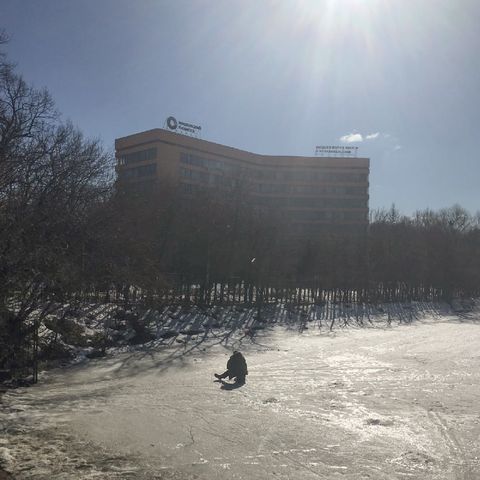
(137, 172)
(197, 175)
(135, 157)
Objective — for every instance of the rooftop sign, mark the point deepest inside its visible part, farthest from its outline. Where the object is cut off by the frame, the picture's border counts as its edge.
(340, 150)
(175, 125)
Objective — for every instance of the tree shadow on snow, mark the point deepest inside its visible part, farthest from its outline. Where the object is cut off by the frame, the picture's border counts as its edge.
(181, 334)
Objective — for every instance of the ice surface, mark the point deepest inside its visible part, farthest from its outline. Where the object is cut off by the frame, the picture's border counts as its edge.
(376, 403)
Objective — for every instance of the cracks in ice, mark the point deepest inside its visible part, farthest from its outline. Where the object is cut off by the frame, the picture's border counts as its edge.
(192, 438)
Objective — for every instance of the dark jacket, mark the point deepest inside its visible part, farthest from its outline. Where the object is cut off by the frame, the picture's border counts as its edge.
(237, 365)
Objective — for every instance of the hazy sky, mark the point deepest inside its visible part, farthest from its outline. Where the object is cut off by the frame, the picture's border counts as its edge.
(399, 77)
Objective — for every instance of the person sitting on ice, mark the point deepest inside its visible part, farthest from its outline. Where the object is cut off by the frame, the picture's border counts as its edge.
(236, 368)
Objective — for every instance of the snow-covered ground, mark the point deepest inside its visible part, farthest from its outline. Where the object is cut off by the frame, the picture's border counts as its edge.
(379, 402)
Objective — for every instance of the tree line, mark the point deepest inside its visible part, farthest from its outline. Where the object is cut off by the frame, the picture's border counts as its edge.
(193, 252)
(69, 233)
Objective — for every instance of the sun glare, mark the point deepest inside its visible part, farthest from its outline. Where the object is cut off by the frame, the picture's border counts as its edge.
(332, 24)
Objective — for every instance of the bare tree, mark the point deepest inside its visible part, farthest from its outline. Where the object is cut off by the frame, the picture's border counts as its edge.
(50, 179)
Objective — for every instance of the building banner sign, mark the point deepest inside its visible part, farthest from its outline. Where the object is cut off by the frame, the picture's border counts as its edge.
(343, 150)
(182, 127)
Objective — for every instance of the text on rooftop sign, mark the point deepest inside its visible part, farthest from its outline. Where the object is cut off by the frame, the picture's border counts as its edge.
(174, 124)
(335, 150)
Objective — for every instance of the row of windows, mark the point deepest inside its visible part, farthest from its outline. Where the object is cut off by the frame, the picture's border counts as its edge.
(279, 188)
(307, 202)
(302, 202)
(308, 189)
(196, 175)
(294, 202)
(143, 171)
(191, 159)
(283, 201)
(329, 216)
(325, 189)
(303, 215)
(191, 188)
(313, 174)
(312, 228)
(135, 157)
(208, 179)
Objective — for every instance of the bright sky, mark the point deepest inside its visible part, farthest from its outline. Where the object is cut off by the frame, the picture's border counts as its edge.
(400, 78)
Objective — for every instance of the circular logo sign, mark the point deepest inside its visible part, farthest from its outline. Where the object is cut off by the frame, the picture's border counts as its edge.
(172, 123)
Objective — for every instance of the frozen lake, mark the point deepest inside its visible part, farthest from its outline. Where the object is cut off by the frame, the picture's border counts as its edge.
(358, 403)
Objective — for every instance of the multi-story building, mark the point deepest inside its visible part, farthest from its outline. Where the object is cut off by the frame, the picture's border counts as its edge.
(314, 194)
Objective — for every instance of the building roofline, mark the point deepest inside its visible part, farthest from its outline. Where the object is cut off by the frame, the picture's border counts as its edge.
(196, 143)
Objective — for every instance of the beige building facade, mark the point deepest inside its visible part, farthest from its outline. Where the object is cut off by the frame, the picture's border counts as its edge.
(314, 194)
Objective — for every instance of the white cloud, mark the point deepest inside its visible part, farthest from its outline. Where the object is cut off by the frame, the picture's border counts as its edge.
(358, 137)
(352, 137)
(397, 147)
